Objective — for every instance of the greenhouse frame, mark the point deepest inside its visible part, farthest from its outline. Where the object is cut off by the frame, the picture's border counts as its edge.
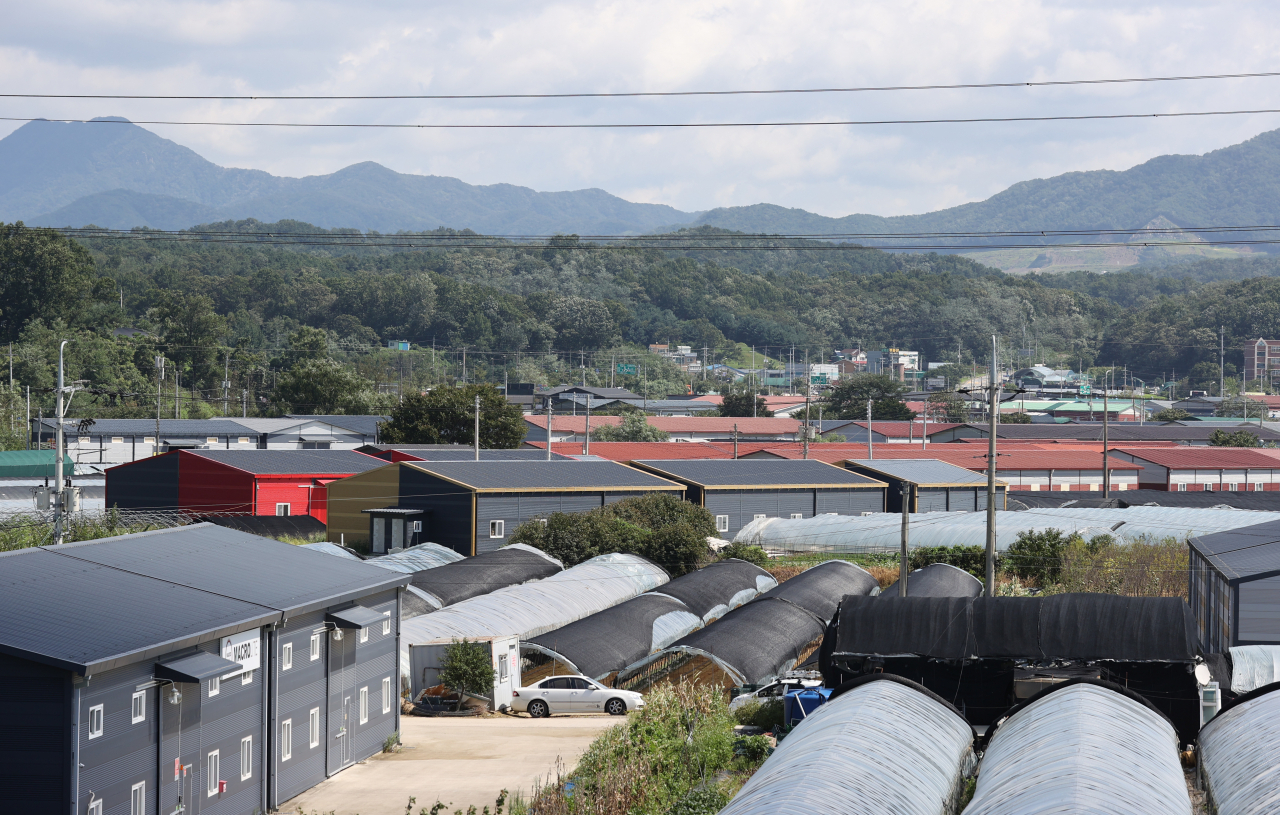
(1239, 753)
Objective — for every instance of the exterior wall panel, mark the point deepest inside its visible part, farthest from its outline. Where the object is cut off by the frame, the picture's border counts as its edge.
(35, 707)
(213, 487)
(292, 490)
(150, 483)
(125, 753)
(348, 496)
(1259, 612)
(297, 691)
(931, 500)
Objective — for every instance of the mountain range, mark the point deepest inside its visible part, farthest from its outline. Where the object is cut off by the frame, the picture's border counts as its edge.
(117, 174)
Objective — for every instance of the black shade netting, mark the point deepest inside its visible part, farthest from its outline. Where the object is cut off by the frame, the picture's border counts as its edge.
(716, 584)
(1266, 501)
(758, 640)
(1108, 626)
(616, 637)
(818, 590)
(509, 566)
(938, 580)
(269, 526)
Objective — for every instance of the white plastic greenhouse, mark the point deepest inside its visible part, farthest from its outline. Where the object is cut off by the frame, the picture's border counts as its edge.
(881, 532)
(881, 748)
(1240, 751)
(1083, 749)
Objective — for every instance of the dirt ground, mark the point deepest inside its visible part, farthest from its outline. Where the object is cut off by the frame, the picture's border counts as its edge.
(457, 761)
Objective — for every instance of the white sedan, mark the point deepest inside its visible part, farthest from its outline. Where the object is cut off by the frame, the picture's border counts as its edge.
(574, 694)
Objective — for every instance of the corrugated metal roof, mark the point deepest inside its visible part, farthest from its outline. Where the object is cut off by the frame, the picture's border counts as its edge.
(236, 564)
(147, 427)
(881, 532)
(364, 425)
(1242, 552)
(487, 455)
(906, 429)
(32, 464)
(543, 476)
(881, 747)
(922, 471)
(1117, 431)
(1203, 457)
(969, 456)
(757, 473)
(1240, 750)
(292, 462)
(770, 426)
(1082, 749)
(626, 451)
(88, 617)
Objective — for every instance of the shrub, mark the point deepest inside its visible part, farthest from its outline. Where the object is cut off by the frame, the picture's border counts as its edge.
(753, 748)
(702, 801)
(467, 668)
(973, 559)
(742, 551)
(765, 714)
(1037, 555)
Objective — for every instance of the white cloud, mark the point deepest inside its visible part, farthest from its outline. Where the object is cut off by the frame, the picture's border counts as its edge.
(282, 47)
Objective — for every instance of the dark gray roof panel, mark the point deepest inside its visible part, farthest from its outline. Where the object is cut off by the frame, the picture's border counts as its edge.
(467, 454)
(236, 564)
(1241, 553)
(289, 462)
(923, 471)
(174, 428)
(364, 425)
(1118, 432)
(757, 473)
(545, 476)
(195, 667)
(88, 617)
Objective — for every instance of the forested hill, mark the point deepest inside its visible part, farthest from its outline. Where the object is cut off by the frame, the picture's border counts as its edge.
(1237, 185)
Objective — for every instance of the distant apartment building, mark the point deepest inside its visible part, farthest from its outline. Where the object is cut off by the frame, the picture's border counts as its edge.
(900, 364)
(682, 355)
(1261, 360)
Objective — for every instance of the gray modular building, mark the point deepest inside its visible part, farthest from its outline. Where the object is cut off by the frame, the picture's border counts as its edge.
(1234, 587)
(934, 486)
(198, 666)
(474, 506)
(738, 491)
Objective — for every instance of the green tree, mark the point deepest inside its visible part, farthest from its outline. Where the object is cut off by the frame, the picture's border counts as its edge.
(742, 551)
(42, 276)
(322, 386)
(1240, 438)
(738, 403)
(467, 668)
(1170, 414)
(634, 427)
(1241, 407)
(446, 415)
(946, 407)
(952, 373)
(193, 333)
(848, 399)
(1037, 555)
(1020, 417)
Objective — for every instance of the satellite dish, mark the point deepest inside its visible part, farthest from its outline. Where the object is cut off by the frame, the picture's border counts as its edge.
(1203, 677)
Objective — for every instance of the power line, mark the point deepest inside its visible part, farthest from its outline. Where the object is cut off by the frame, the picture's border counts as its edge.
(637, 94)
(657, 125)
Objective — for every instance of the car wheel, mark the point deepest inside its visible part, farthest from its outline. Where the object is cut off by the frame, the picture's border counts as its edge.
(538, 709)
(615, 707)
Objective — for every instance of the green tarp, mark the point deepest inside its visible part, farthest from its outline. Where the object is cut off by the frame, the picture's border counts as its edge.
(31, 464)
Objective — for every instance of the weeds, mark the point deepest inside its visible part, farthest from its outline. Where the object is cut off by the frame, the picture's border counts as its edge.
(764, 714)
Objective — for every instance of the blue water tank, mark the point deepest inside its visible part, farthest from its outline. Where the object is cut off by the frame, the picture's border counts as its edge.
(800, 703)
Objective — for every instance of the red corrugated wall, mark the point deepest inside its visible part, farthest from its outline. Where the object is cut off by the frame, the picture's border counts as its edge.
(208, 486)
(294, 490)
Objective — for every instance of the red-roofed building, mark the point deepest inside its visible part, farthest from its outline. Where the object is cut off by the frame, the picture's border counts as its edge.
(782, 405)
(681, 428)
(628, 451)
(1194, 469)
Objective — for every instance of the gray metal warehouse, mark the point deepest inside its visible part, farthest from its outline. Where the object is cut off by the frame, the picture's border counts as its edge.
(935, 485)
(474, 506)
(738, 491)
(1234, 586)
(199, 662)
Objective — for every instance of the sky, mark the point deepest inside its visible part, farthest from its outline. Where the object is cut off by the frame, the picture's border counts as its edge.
(277, 47)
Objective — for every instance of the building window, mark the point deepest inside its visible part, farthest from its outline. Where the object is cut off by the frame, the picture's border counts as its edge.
(286, 740)
(313, 726)
(1257, 487)
(95, 807)
(148, 439)
(138, 710)
(117, 439)
(497, 529)
(364, 705)
(386, 622)
(364, 634)
(246, 678)
(282, 509)
(137, 799)
(502, 667)
(386, 695)
(722, 523)
(315, 647)
(417, 526)
(95, 721)
(84, 439)
(246, 758)
(759, 517)
(211, 440)
(796, 516)
(286, 656)
(1233, 487)
(214, 769)
(215, 686)
(242, 440)
(1182, 488)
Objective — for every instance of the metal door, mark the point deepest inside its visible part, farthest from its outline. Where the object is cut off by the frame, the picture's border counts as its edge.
(347, 735)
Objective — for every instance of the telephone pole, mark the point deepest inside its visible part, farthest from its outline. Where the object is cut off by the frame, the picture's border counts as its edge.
(906, 531)
(871, 453)
(59, 440)
(993, 397)
(1222, 356)
(1106, 471)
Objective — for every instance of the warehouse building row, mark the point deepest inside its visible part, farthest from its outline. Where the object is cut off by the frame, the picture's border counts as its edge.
(193, 669)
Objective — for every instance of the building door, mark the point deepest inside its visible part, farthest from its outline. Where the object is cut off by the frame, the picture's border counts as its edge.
(342, 678)
(347, 736)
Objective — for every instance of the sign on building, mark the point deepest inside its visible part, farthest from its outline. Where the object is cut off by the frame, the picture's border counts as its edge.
(243, 648)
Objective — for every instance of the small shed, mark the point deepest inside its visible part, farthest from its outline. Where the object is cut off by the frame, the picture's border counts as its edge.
(934, 486)
(1234, 587)
(738, 491)
(474, 506)
(32, 464)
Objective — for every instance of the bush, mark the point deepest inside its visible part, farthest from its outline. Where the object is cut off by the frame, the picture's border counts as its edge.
(973, 559)
(467, 668)
(1037, 555)
(743, 551)
(702, 801)
(764, 714)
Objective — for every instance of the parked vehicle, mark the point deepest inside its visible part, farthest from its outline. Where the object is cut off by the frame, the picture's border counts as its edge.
(574, 694)
(790, 681)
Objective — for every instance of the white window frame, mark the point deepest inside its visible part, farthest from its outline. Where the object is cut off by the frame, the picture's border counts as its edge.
(148, 439)
(722, 523)
(242, 440)
(386, 694)
(284, 505)
(211, 440)
(796, 516)
(286, 740)
(1182, 487)
(315, 647)
(386, 623)
(759, 516)
(497, 529)
(286, 656)
(1257, 487)
(95, 712)
(246, 678)
(138, 707)
(137, 799)
(364, 634)
(95, 807)
(213, 768)
(313, 727)
(117, 439)
(215, 686)
(364, 705)
(246, 758)
(1233, 486)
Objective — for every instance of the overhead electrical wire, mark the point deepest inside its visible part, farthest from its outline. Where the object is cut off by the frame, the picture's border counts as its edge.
(638, 94)
(653, 125)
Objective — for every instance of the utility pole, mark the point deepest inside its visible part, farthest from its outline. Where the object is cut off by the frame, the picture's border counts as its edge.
(586, 439)
(159, 377)
(548, 403)
(871, 453)
(735, 440)
(244, 403)
(477, 434)
(1106, 471)
(1222, 356)
(924, 434)
(993, 397)
(59, 440)
(906, 531)
(226, 384)
(805, 429)
(177, 394)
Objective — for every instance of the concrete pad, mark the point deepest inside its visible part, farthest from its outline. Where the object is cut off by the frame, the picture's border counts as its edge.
(457, 761)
